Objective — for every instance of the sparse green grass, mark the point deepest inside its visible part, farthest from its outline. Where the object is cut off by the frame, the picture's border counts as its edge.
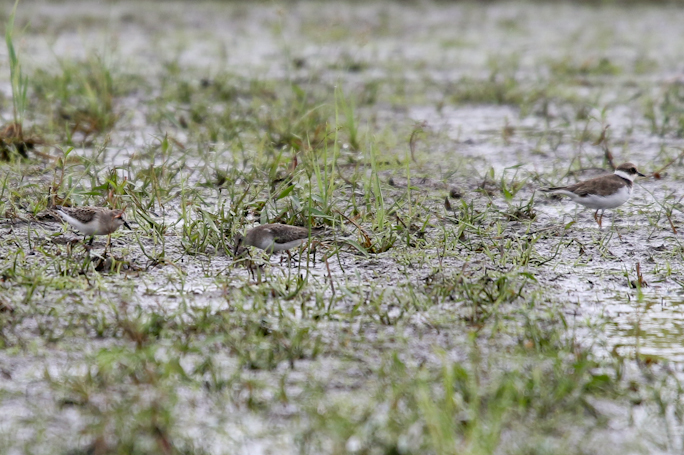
(449, 309)
(79, 97)
(665, 111)
(18, 80)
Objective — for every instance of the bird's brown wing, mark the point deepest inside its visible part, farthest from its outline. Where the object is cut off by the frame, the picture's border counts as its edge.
(289, 235)
(82, 214)
(601, 186)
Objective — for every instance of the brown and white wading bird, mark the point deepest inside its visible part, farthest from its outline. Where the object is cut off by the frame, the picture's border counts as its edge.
(601, 193)
(92, 221)
(275, 237)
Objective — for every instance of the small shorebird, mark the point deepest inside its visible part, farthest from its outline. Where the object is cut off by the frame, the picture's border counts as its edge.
(92, 221)
(601, 193)
(275, 237)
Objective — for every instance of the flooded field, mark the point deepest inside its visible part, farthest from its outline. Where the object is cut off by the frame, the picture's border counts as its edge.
(449, 307)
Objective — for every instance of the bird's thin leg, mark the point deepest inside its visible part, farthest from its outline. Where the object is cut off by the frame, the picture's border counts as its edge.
(597, 219)
(250, 267)
(88, 245)
(258, 270)
(601, 219)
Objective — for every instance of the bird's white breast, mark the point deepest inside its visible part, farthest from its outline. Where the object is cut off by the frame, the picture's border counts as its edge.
(268, 244)
(616, 199)
(288, 245)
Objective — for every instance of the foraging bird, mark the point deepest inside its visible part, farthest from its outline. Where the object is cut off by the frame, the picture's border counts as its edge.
(92, 221)
(275, 237)
(601, 193)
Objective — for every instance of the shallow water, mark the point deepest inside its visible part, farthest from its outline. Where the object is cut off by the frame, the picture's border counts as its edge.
(424, 50)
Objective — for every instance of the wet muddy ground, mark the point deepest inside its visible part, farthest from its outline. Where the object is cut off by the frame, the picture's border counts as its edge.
(450, 308)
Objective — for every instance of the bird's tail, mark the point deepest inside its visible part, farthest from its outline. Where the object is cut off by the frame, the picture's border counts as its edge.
(552, 189)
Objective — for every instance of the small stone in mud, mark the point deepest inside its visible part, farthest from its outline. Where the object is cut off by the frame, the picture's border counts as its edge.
(455, 193)
(104, 264)
(299, 63)
(6, 307)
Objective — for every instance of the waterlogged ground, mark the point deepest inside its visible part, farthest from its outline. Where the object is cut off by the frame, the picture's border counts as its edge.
(448, 309)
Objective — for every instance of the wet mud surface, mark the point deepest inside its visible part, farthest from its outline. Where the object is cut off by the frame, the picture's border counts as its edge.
(174, 347)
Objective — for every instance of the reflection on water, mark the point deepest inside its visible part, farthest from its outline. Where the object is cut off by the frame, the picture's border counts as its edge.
(648, 328)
